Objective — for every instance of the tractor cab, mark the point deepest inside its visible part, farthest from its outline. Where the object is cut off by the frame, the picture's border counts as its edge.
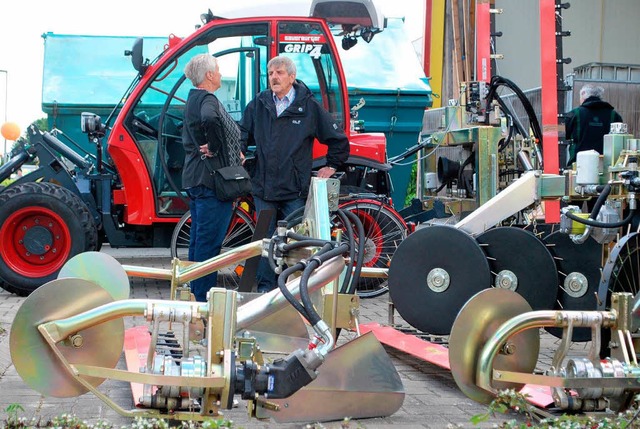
(146, 136)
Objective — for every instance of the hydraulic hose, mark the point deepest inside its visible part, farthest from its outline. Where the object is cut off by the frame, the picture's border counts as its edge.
(295, 217)
(351, 288)
(591, 222)
(600, 201)
(323, 255)
(313, 263)
(285, 291)
(352, 250)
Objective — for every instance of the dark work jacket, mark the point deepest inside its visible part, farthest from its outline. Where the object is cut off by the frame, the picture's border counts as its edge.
(587, 124)
(284, 144)
(201, 125)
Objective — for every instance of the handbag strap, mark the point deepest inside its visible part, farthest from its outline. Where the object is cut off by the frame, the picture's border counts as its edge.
(231, 131)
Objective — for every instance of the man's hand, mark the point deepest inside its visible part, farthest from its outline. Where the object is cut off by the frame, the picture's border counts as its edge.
(326, 172)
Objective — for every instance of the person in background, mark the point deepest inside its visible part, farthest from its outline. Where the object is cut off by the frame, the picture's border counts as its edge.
(282, 123)
(207, 127)
(587, 124)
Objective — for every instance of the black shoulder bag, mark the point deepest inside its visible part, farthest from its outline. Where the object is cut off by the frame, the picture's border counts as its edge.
(231, 181)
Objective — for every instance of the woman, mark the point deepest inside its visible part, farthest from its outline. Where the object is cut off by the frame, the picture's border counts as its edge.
(208, 134)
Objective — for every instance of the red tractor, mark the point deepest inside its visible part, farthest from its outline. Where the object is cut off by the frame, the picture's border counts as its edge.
(128, 193)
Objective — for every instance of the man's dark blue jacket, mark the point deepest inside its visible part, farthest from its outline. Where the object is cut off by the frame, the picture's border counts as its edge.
(284, 143)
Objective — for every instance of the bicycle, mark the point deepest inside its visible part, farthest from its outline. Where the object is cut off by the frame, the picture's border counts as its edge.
(384, 230)
(240, 232)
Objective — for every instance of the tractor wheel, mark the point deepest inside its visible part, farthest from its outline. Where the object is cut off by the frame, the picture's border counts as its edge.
(42, 225)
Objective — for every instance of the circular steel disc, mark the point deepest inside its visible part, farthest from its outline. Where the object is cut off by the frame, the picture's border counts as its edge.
(456, 262)
(521, 253)
(32, 356)
(477, 321)
(101, 269)
(575, 261)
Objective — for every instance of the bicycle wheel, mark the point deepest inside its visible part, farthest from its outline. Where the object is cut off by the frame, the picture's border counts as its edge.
(240, 232)
(384, 229)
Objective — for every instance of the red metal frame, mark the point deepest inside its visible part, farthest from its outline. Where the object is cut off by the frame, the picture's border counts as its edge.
(548, 63)
(438, 354)
(483, 40)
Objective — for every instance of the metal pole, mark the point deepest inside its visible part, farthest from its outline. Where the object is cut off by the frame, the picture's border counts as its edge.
(6, 97)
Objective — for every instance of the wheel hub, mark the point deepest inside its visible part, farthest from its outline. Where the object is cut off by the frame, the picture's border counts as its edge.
(438, 280)
(576, 285)
(506, 279)
(432, 256)
(369, 251)
(522, 263)
(37, 240)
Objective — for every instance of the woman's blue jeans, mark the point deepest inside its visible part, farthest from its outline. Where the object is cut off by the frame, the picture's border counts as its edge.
(210, 219)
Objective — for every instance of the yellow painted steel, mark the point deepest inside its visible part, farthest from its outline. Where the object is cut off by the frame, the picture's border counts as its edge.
(436, 27)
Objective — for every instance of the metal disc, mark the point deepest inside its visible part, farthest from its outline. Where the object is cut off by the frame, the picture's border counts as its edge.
(101, 269)
(578, 276)
(477, 321)
(519, 261)
(433, 273)
(35, 360)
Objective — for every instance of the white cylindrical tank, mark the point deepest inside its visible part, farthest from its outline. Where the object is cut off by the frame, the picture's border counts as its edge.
(587, 167)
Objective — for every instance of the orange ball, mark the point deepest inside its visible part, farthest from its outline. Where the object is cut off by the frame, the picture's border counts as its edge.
(10, 131)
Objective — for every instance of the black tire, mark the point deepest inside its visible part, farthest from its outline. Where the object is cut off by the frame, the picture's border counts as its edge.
(42, 226)
(240, 232)
(384, 231)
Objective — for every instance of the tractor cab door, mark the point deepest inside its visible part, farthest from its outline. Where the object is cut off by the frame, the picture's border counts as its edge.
(243, 48)
(156, 119)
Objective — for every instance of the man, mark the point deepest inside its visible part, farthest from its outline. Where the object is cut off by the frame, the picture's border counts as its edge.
(588, 123)
(282, 123)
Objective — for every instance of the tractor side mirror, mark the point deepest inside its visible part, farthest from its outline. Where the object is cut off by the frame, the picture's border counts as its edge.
(136, 56)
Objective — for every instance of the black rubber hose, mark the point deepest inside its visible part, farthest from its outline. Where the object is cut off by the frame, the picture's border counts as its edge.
(322, 256)
(352, 250)
(600, 201)
(288, 295)
(313, 263)
(590, 222)
(305, 243)
(466, 162)
(295, 217)
(351, 288)
(506, 142)
(270, 251)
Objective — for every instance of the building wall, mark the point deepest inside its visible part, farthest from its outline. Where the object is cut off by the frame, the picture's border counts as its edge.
(603, 31)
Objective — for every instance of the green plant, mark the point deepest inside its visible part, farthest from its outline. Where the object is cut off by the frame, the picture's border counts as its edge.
(70, 421)
(510, 400)
(12, 415)
(506, 401)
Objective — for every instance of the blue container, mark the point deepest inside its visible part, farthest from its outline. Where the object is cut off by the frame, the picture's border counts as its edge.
(388, 75)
